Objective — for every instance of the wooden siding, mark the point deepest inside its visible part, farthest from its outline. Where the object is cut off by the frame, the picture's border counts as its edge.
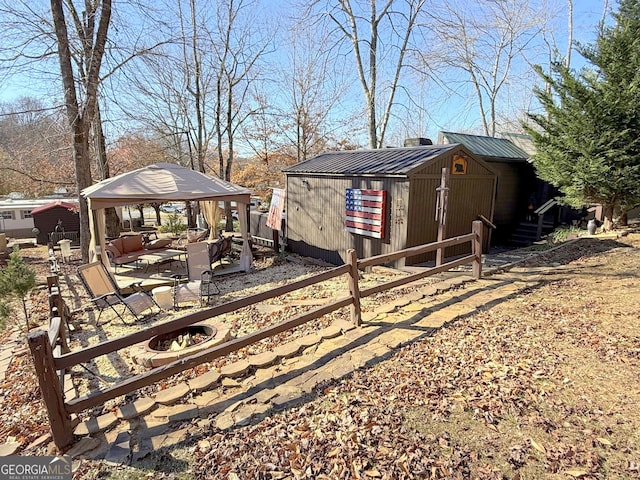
(474, 165)
(47, 220)
(516, 183)
(470, 195)
(316, 209)
(316, 215)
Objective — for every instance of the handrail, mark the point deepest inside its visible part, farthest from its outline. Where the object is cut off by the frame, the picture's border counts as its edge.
(70, 359)
(487, 222)
(545, 207)
(413, 251)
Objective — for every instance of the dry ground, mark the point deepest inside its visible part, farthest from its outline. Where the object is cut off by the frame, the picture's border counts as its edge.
(543, 385)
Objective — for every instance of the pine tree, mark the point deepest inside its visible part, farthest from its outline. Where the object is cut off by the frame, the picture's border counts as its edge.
(588, 138)
(17, 279)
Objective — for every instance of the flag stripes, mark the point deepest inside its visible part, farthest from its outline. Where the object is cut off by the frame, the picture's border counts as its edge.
(365, 212)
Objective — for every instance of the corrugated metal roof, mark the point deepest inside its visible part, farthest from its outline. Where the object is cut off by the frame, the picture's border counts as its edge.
(385, 161)
(487, 146)
(522, 140)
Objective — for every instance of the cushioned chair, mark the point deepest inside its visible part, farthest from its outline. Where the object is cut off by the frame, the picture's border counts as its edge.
(105, 293)
(200, 285)
(193, 235)
(219, 249)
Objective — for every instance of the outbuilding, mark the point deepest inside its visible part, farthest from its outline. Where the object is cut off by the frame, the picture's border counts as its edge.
(519, 191)
(58, 216)
(380, 201)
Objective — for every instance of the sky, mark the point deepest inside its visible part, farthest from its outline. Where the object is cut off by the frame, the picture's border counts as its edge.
(587, 14)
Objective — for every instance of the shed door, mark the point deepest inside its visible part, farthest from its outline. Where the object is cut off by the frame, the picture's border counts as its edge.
(469, 197)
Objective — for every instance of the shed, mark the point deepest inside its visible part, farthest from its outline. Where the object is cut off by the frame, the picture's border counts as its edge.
(518, 188)
(47, 217)
(402, 182)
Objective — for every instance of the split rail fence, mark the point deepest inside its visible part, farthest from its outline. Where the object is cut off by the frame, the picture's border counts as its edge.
(52, 356)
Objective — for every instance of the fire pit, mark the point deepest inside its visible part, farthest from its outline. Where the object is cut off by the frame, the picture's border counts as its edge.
(182, 339)
(168, 347)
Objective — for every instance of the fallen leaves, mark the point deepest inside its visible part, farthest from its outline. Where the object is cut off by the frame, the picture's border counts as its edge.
(533, 387)
(459, 403)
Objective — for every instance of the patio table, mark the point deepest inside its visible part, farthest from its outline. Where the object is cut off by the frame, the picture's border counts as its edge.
(161, 257)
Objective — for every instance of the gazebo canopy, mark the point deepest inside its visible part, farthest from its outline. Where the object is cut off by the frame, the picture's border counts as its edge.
(162, 182)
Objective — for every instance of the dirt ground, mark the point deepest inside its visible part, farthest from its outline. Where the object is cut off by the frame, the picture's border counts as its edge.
(542, 385)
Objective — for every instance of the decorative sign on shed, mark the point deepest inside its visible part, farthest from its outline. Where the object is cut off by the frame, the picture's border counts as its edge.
(365, 211)
(459, 165)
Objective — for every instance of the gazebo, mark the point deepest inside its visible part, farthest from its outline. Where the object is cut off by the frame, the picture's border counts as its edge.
(165, 182)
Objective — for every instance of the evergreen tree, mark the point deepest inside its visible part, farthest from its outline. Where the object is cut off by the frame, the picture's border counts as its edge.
(588, 138)
(17, 279)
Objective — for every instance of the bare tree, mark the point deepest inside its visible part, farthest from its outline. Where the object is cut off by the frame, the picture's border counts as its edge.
(35, 142)
(484, 42)
(261, 132)
(194, 92)
(172, 86)
(238, 51)
(312, 85)
(603, 18)
(380, 38)
(92, 27)
(297, 114)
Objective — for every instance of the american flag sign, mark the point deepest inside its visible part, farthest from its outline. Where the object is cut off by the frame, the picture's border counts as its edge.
(365, 211)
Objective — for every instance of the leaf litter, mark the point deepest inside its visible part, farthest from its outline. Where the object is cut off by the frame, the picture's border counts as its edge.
(541, 385)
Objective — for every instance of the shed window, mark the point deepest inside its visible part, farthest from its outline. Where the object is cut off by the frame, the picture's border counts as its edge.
(8, 215)
(25, 213)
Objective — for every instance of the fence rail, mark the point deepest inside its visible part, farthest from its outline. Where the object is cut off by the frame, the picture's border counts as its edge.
(47, 363)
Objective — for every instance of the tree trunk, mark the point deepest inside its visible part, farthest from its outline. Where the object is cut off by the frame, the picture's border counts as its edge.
(191, 215)
(111, 219)
(83, 180)
(140, 208)
(608, 218)
(112, 222)
(623, 220)
(156, 208)
(81, 117)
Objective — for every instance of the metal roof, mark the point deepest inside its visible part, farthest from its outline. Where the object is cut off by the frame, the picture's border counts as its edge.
(28, 203)
(522, 140)
(57, 203)
(487, 146)
(385, 161)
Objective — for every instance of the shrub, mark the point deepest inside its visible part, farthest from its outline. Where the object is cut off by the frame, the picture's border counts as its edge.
(17, 279)
(563, 233)
(173, 225)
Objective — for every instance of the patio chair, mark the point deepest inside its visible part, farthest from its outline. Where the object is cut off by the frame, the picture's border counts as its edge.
(105, 293)
(219, 249)
(200, 285)
(193, 235)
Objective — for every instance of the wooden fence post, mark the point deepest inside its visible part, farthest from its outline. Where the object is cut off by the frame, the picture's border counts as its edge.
(58, 308)
(59, 419)
(354, 288)
(53, 281)
(477, 248)
(442, 204)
